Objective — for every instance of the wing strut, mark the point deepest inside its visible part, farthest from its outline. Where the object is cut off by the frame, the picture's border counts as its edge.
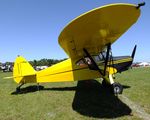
(93, 65)
(107, 57)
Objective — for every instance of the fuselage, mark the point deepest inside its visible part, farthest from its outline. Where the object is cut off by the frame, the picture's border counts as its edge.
(69, 70)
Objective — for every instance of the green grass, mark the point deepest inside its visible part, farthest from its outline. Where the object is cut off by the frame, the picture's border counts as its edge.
(74, 101)
(139, 81)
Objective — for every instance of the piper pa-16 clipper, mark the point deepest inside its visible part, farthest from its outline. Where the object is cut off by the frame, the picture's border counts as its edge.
(87, 41)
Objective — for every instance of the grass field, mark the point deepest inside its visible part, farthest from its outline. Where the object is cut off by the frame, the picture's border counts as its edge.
(75, 100)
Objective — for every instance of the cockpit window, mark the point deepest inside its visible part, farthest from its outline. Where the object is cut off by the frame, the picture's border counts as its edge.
(84, 62)
(99, 59)
(80, 62)
(87, 60)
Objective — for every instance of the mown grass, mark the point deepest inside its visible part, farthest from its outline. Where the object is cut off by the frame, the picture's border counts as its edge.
(138, 80)
(85, 100)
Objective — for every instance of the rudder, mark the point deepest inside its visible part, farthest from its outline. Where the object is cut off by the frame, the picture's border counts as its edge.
(23, 71)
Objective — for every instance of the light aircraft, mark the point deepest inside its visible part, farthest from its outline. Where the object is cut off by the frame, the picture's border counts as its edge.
(87, 41)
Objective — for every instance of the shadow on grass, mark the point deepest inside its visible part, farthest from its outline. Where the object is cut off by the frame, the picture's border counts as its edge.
(95, 101)
(29, 89)
(125, 86)
(35, 88)
(91, 99)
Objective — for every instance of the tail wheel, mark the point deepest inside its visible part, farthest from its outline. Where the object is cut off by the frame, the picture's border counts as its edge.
(117, 88)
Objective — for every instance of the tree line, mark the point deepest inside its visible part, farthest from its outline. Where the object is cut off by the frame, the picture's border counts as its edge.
(41, 62)
(45, 62)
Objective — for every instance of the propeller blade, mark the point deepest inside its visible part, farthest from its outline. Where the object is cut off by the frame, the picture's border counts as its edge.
(133, 52)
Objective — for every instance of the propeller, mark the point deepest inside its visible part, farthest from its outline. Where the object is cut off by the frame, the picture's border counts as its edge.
(133, 55)
(133, 52)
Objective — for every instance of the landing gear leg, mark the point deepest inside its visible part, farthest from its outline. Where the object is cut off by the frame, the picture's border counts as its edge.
(18, 88)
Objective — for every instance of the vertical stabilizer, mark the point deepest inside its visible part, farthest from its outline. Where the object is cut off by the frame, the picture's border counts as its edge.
(23, 71)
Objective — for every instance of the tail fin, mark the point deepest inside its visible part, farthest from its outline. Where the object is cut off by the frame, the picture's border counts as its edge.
(23, 71)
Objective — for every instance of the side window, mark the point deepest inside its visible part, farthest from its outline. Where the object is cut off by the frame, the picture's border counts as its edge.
(103, 54)
(80, 63)
(88, 61)
(84, 62)
(99, 58)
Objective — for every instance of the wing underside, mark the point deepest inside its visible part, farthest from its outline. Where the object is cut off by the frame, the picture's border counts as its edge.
(96, 28)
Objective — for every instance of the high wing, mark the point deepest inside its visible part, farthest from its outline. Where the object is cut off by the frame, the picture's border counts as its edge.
(95, 29)
(83, 39)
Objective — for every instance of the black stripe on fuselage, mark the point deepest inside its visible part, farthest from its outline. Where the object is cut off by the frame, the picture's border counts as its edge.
(122, 66)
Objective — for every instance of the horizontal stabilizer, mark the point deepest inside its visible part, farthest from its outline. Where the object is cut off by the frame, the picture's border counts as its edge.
(8, 77)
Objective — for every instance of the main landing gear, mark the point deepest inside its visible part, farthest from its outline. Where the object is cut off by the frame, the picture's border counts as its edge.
(108, 78)
(115, 87)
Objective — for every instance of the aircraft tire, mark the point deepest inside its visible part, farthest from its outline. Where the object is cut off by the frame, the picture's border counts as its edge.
(117, 88)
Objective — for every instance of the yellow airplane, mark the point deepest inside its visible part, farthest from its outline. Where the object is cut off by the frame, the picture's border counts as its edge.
(87, 41)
